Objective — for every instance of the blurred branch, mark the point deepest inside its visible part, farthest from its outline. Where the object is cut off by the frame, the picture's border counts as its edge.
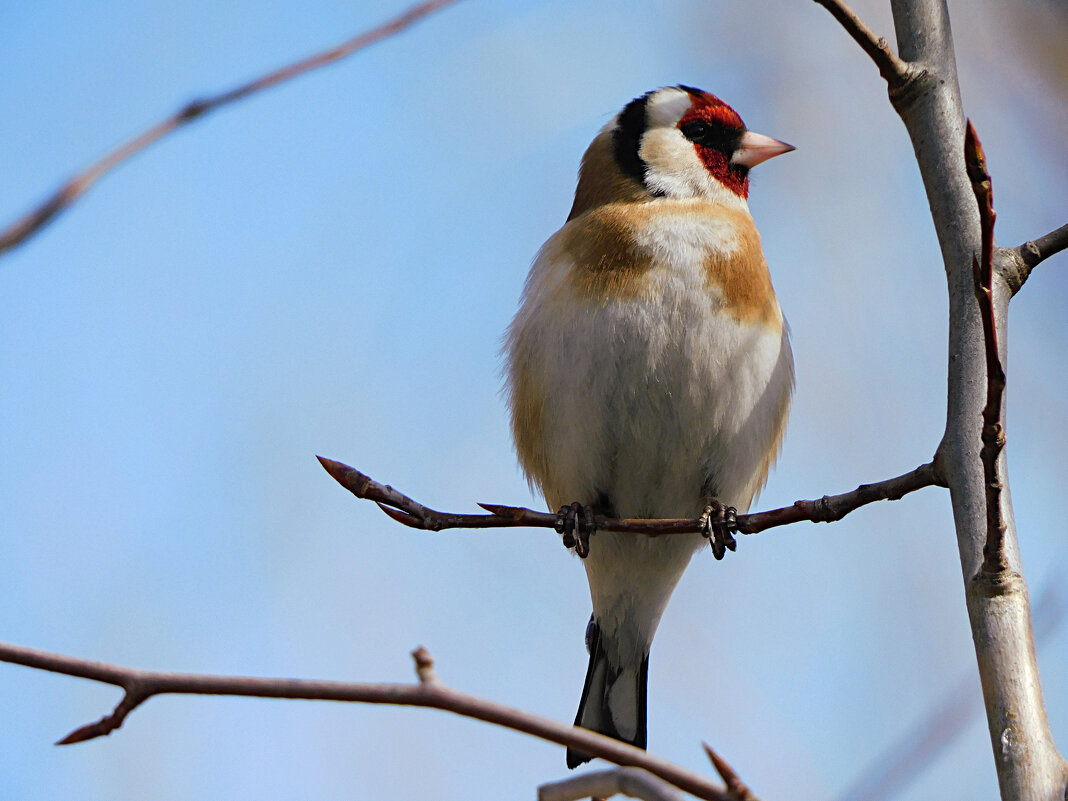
(637, 783)
(895, 71)
(631, 782)
(736, 788)
(993, 436)
(1015, 264)
(140, 685)
(827, 509)
(60, 200)
(921, 746)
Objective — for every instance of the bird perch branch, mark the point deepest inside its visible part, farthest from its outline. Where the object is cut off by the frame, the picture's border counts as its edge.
(60, 200)
(827, 509)
(430, 692)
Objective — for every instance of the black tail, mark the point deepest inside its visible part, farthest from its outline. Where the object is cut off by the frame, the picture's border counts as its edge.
(606, 712)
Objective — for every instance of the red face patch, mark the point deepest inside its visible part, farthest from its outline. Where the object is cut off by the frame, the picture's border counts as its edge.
(706, 106)
(715, 141)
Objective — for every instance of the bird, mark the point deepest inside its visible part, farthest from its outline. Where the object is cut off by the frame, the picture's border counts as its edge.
(648, 371)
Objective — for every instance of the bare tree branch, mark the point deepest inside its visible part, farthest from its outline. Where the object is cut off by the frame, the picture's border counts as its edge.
(736, 788)
(827, 509)
(895, 71)
(1038, 250)
(1028, 763)
(60, 200)
(1015, 264)
(637, 783)
(140, 685)
(631, 782)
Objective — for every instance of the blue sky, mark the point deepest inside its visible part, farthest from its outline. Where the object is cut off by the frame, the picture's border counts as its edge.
(328, 268)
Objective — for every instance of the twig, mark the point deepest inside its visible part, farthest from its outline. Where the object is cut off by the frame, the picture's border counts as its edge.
(894, 70)
(22, 229)
(827, 509)
(1015, 264)
(631, 782)
(1038, 250)
(140, 685)
(736, 788)
(993, 431)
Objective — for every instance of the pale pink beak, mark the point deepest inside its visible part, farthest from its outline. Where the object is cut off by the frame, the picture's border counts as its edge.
(755, 148)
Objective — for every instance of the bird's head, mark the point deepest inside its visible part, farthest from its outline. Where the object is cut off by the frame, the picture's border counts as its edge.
(676, 142)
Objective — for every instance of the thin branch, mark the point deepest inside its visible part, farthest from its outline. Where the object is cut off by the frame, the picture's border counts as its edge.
(631, 782)
(894, 70)
(831, 508)
(827, 509)
(736, 788)
(1038, 250)
(430, 692)
(993, 431)
(1015, 264)
(22, 229)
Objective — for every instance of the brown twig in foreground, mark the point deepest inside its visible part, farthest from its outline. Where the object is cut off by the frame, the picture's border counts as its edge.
(68, 193)
(736, 788)
(894, 70)
(827, 509)
(140, 685)
(993, 436)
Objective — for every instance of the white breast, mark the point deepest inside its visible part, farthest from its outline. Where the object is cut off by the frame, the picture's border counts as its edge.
(654, 394)
(651, 396)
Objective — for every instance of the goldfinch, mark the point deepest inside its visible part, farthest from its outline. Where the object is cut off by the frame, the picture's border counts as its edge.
(649, 370)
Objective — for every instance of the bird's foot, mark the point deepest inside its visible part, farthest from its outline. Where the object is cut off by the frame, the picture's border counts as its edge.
(720, 523)
(575, 522)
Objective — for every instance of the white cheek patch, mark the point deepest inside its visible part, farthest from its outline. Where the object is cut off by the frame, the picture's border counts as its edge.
(673, 168)
(671, 158)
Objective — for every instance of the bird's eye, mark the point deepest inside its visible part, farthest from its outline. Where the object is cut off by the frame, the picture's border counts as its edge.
(696, 131)
(709, 134)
